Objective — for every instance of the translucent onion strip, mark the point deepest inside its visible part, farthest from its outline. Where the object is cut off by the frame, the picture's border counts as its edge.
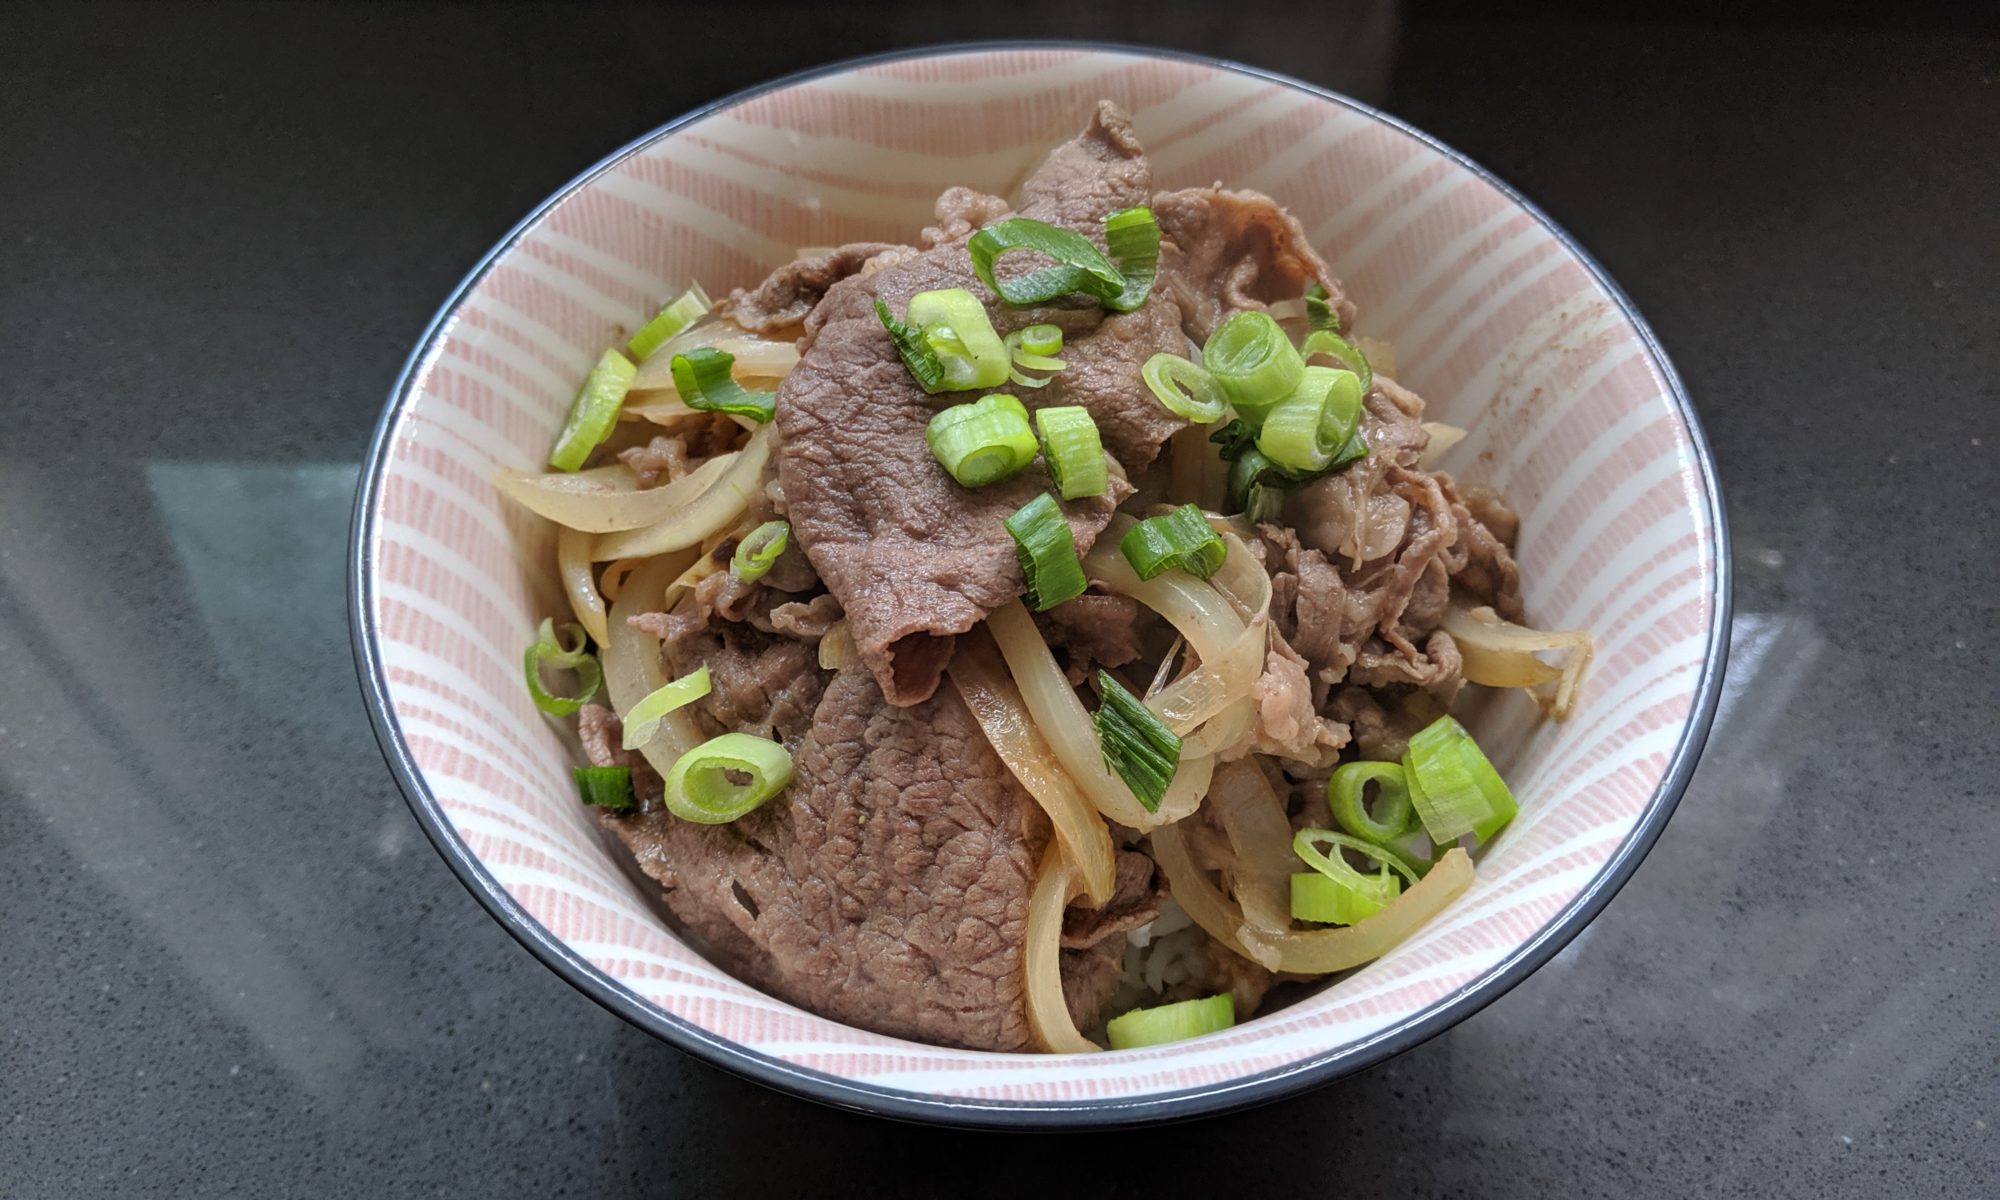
(1499, 653)
(837, 651)
(1063, 720)
(1056, 884)
(1261, 835)
(631, 658)
(1442, 438)
(713, 507)
(1308, 952)
(607, 499)
(982, 681)
(1231, 649)
(1319, 951)
(579, 583)
(756, 357)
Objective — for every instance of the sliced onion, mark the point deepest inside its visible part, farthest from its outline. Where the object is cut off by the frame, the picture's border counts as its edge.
(1499, 653)
(1261, 835)
(837, 650)
(631, 658)
(1204, 903)
(1308, 952)
(1442, 438)
(756, 357)
(607, 499)
(1186, 792)
(573, 564)
(1056, 884)
(1061, 717)
(611, 581)
(1319, 951)
(1220, 731)
(714, 506)
(1232, 652)
(982, 681)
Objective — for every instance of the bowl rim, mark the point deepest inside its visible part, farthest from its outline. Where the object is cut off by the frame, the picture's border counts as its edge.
(1208, 1099)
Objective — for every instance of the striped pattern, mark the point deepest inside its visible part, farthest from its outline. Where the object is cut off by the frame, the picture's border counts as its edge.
(1494, 321)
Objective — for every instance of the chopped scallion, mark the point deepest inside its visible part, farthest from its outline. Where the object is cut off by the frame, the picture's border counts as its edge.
(1182, 538)
(1319, 308)
(699, 787)
(1307, 842)
(1305, 430)
(1346, 794)
(547, 651)
(1121, 282)
(702, 376)
(983, 442)
(1327, 342)
(1047, 551)
(1335, 902)
(1254, 362)
(643, 720)
(688, 308)
(960, 334)
(759, 549)
(594, 412)
(1171, 1022)
(1073, 452)
(916, 352)
(604, 787)
(1133, 237)
(1042, 339)
(1137, 745)
(1185, 387)
(1453, 785)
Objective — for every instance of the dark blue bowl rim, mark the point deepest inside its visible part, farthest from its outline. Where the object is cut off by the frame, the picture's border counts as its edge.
(1225, 1096)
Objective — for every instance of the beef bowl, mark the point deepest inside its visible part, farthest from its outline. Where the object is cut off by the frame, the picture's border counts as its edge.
(886, 924)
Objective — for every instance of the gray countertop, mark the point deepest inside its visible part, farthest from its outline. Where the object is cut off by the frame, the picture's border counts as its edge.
(231, 963)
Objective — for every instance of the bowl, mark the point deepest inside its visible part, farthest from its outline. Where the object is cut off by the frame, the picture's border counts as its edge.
(1499, 319)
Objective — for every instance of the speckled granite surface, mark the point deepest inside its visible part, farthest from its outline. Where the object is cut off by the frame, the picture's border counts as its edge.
(230, 963)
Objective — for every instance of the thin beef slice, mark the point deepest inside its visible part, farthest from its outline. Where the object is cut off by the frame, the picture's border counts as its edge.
(913, 558)
(888, 888)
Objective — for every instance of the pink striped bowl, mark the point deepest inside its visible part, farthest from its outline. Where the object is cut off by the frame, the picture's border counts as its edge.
(1498, 318)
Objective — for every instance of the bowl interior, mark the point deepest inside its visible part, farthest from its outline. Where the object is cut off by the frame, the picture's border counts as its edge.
(1495, 320)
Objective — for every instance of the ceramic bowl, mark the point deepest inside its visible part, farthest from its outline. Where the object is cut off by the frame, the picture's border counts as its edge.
(1498, 319)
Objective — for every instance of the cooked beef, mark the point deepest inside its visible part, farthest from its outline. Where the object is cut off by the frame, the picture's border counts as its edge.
(1488, 527)
(807, 620)
(671, 454)
(960, 210)
(1094, 631)
(888, 888)
(758, 683)
(779, 305)
(1137, 889)
(1226, 252)
(913, 558)
(1287, 722)
(1380, 732)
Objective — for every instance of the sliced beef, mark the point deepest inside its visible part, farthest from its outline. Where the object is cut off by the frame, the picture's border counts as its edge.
(1094, 631)
(1488, 527)
(888, 888)
(779, 304)
(960, 210)
(913, 558)
(758, 683)
(1225, 252)
(1136, 893)
(672, 453)
(807, 620)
